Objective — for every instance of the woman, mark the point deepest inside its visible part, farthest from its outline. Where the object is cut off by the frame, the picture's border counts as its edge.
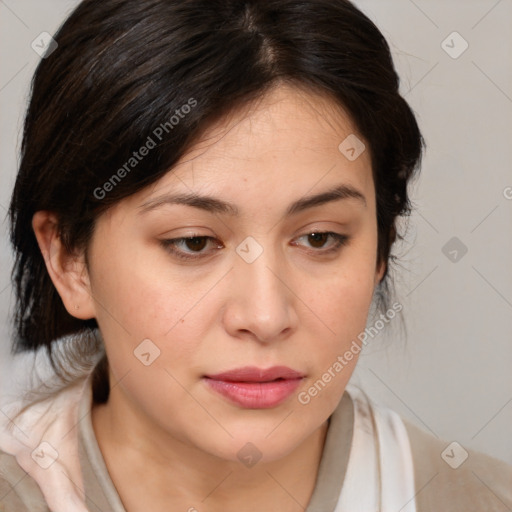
(204, 213)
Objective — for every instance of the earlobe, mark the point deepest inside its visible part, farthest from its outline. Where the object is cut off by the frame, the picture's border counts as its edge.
(381, 268)
(68, 272)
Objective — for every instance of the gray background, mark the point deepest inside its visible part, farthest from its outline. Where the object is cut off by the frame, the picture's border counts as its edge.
(451, 375)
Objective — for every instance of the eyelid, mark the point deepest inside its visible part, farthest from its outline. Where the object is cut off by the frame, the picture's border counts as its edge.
(169, 244)
(340, 240)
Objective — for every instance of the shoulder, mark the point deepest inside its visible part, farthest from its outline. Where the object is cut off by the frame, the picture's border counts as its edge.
(22, 477)
(19, 492)
(449, 475)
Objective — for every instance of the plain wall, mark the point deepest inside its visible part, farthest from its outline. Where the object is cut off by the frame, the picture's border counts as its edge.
(451, 374)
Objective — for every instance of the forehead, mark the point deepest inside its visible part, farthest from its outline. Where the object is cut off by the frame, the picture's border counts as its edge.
(285, 119)
(288, 140)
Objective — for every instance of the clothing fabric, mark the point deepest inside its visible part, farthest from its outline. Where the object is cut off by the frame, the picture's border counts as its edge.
(372, 460)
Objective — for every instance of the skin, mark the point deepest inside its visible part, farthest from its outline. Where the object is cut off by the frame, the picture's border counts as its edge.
(292, 306)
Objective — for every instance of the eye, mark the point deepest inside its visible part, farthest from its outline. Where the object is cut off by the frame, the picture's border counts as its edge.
(196, 244)
(317, 239)
(192, 248)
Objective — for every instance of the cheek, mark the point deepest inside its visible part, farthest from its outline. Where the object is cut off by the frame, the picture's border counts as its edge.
(132, 301)
(342, 298)
(332, 357)
(344, 309)
(342, 302)
(144, 298)
(129, 283)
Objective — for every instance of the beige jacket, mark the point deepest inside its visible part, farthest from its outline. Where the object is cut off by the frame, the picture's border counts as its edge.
(440, 480)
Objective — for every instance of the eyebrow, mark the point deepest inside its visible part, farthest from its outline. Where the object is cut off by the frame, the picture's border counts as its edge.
(215, 205)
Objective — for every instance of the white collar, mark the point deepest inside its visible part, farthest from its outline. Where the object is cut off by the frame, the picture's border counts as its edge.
(380, 472)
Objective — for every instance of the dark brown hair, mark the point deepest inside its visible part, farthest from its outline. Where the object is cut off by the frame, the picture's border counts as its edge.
(122, 68)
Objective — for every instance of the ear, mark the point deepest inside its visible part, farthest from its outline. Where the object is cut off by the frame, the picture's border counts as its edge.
(381, 267)
(68, 272)
(379, 273)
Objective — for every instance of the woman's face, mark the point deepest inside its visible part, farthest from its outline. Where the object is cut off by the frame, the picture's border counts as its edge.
(260, 289)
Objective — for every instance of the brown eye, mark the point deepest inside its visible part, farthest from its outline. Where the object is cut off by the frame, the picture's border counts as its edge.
(195, 244)
(318, 240)
(188, 248)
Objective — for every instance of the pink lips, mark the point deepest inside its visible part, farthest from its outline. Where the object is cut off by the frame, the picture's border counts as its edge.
(256, 388)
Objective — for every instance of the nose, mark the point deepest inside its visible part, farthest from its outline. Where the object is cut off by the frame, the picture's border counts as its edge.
(261, 302)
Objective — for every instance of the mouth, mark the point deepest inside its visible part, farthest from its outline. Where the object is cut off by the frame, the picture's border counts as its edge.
(255, 388)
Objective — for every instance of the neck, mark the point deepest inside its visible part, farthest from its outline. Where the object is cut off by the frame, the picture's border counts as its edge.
(178, 474)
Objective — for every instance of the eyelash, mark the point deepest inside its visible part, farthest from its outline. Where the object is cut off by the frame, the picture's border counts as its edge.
(169, 244)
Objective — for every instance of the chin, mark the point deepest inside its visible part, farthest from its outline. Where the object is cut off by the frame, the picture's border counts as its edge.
(270, 442)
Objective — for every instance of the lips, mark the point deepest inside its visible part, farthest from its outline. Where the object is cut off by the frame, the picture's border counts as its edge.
(255, 388)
